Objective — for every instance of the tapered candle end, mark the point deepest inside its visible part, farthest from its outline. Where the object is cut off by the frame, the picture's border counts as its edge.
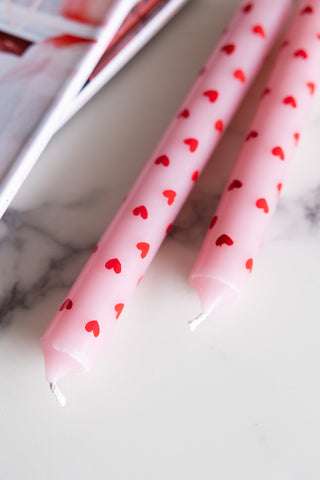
(59, 363)
(194, 324)
(61, 399)
(213, 293)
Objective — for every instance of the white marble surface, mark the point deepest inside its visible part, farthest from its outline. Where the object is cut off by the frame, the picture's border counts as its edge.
(238, 399)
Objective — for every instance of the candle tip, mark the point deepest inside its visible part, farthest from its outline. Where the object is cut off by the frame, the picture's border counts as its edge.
(61, 399)
(194, 324)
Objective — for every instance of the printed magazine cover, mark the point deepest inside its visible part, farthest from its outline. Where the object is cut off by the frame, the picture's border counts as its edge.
(54, 56)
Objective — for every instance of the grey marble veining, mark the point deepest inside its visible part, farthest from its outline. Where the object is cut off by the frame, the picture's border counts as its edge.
(40, 252)
(161, 403)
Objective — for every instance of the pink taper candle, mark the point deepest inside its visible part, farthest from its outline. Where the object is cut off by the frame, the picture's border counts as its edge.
(96, 300)
(237, 229)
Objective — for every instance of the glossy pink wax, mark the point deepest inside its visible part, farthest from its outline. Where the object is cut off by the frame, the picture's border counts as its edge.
(229, 251)
(98, 296)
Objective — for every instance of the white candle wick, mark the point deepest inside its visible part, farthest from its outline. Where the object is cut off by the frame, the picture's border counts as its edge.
(194, 324)
(61, 399)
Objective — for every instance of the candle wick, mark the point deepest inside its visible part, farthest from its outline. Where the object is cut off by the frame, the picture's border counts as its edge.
(61, 399)
(194, 324)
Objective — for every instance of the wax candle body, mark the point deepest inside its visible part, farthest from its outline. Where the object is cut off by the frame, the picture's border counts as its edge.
(228, 253)
(124, 252)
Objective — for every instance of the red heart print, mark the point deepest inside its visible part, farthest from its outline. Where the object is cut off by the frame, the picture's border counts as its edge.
(301, 53)
(247, 8)
(265, 92)
(297, 137)
(224, 240)
(290, 101)
(252, 134)
(307, 9)
(113, 264)
(278, 152)
(95, 249)
(318, 36)
(212, 95)
(170, 195)
(239, 75)
(67, 304)
(249, 264)
(311, 87)
(279, 187)
(228, 49)
(168, 228)
(142, 211)
(213, 222)
(262, 203)
(219, 126)
(258, 30)
(184, 114)
(235, 184)
(118, 308)
(144, 248)
(162, 160)
(192, 144)
(195, 176)
(284, 44)
(93, 327)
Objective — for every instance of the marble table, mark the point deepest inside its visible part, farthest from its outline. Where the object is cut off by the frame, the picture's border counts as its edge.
(236, 400)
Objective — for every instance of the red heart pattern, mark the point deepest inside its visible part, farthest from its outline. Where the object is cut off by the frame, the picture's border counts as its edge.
(118, 308)
(113, 264)
(234, 184)
(212, 100)
(213, 222)
(67, 304)
(258, 30)
(263, 205)
(311, 87)
(162, 160)
(301, 53)
(168, 228)
(239, 75)
(185, 113)
(307, 10)
(278, 152)
(290, 100)
(192, 144)
(212, 95)
(194, 176)
(219, 126)
(170, 196)
(140, 211)
(144, 248)
(244, 211)
(251, 134)
(94, 327)
(249, 265)
(228, 49)
(247, 8)
(224, 240)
